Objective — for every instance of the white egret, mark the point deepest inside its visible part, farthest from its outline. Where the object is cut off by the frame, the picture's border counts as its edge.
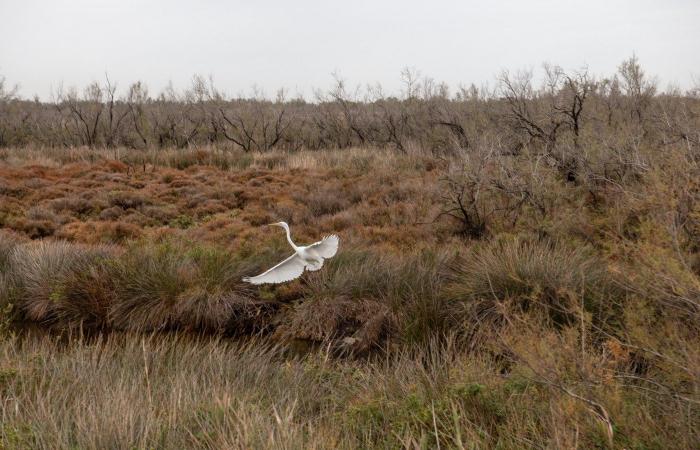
(309, 257)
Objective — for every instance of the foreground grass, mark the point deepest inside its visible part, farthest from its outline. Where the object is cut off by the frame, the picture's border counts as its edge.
(167, 391)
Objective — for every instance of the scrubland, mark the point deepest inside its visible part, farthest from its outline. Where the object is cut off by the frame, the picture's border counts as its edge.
(524, 273)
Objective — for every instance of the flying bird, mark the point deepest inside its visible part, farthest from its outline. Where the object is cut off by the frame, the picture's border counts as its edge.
(309, 257)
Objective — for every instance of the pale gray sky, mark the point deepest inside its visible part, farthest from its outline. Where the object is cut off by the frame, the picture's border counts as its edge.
(297, 44)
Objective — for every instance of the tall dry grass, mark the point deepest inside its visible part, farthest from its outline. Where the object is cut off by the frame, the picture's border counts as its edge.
(168, 391)
(551, 280)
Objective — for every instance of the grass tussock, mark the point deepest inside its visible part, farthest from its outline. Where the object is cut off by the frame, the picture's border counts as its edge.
(550, 279)
(170, 284)
(363, 296)
(43, 275)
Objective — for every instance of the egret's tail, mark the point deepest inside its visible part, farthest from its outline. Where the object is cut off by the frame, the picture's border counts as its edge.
(315, 265)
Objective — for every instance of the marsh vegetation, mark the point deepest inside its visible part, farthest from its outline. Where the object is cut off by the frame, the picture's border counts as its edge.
(518, 267)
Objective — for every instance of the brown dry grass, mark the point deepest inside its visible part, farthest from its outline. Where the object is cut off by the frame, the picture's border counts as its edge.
(174, 392)
(96, 202)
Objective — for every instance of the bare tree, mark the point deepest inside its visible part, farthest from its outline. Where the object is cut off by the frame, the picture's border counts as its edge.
(524, 111)
(443, 114)
(611, 94)
(465, 184)
(694, 91)
(392, 116)
(410, 77)
(570, 92)
(85, 111)
(637, 87)
(348, 106)
(255, 124)
(7, 93)
(116, 113)
(173, 120)
(136, 100)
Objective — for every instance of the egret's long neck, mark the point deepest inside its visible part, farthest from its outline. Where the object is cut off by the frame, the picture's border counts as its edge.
(289, 237)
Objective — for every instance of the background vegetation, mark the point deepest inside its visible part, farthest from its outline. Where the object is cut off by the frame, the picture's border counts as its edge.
(518, 268)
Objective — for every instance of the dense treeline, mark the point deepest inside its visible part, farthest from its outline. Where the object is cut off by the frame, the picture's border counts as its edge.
(568, 108)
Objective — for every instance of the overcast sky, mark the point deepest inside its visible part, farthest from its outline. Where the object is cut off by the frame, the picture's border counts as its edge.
(298, 44)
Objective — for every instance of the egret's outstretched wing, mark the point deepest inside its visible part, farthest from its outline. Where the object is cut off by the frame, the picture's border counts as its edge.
(326, 247)
(287, 270)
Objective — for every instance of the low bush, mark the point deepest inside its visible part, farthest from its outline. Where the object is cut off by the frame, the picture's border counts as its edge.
(174, 284)
(41, 272)
(546, 278)
(364, 295)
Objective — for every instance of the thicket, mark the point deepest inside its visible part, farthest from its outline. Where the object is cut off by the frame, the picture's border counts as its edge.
(564, 109)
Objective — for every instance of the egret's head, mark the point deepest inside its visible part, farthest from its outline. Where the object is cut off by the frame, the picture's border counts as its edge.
(277, 224)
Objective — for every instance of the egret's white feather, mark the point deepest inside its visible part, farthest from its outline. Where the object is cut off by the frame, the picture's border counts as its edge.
(287, 270)
(313, 266)
(326, 247)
